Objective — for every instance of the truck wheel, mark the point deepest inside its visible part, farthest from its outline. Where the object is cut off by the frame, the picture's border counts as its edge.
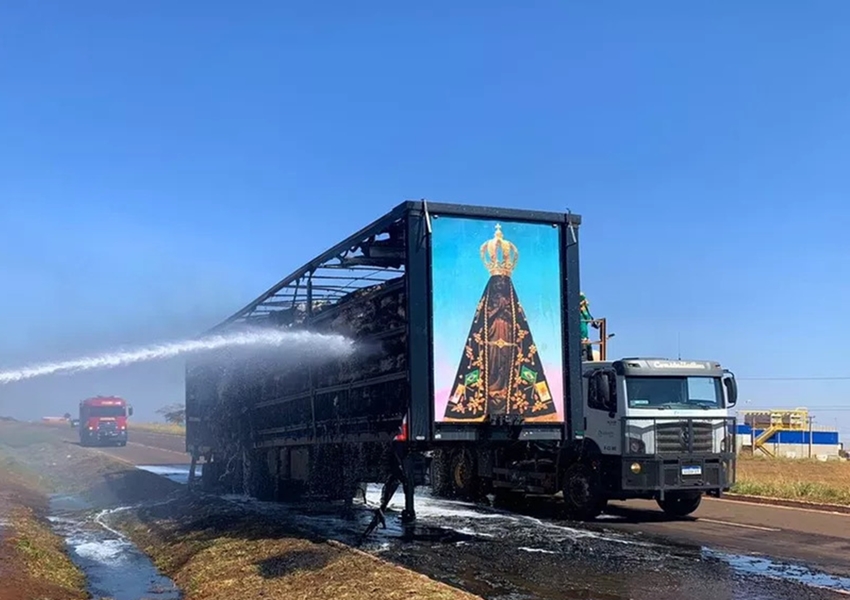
(464, 478)
(441, 482)
(583, 492)
(680, 504)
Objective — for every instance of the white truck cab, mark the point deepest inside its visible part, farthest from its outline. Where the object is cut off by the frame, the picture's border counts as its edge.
(662, 429)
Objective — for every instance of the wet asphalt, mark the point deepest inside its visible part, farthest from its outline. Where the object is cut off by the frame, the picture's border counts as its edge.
(505, 556)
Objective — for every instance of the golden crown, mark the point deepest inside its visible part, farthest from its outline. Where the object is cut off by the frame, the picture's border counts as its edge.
(499, 255)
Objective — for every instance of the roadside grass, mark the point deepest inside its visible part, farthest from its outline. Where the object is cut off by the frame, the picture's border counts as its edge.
(44, 553)
(215, 551)
(158, 427)
(34, 560)
(794, 479)
(21, 435)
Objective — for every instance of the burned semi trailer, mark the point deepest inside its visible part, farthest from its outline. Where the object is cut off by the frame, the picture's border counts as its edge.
(466, 324)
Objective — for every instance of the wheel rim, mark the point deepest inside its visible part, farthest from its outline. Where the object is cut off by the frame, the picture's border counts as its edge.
(461, 473)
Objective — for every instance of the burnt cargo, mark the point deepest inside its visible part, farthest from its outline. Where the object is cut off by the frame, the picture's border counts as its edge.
(461, 314)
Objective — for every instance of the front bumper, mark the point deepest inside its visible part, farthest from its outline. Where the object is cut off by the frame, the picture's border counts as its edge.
(712, 472)
(116, 435)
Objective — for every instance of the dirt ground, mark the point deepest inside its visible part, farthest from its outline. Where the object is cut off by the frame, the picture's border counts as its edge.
(795, 479)
(210, 547)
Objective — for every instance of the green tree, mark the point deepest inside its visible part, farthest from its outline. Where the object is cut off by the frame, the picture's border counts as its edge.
(173, 413)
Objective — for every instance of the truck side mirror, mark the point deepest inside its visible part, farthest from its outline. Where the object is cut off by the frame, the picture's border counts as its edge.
(129, 411)
(731, 388)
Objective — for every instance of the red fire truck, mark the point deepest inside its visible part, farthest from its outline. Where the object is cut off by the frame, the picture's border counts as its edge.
(103, 420)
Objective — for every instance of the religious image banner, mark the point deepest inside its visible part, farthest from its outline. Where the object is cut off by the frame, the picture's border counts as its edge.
(496, 298)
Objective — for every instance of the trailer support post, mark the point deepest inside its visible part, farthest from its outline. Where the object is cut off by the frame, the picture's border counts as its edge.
(408, 515)
(190, 484)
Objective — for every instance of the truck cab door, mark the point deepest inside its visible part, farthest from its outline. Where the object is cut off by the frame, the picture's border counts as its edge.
(601, 400)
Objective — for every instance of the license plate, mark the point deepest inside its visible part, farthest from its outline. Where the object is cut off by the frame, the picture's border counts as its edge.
(694, 470)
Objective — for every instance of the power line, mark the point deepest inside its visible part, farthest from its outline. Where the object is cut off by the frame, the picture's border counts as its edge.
(839, 378)
(830, 407)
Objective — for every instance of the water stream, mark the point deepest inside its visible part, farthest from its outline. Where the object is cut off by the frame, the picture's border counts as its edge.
(303, 344)
(113, 566)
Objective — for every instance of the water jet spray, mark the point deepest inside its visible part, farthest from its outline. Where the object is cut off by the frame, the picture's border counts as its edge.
(300, 343)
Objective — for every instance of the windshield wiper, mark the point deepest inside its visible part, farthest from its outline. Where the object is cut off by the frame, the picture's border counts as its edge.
(703, 404)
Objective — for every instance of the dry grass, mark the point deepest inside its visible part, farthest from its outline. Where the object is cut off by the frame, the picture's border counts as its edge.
(214, 552)
(794, 479)
(33, 560)
(159, 428)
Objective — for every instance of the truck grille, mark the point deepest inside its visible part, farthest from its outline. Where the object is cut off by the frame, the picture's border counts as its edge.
(674, 438)
(107, 427)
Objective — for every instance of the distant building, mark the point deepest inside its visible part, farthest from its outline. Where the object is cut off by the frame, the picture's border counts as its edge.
(786, 434)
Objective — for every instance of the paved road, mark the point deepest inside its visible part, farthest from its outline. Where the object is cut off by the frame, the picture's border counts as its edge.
(143, 448)
(790, 534)
(815, 538)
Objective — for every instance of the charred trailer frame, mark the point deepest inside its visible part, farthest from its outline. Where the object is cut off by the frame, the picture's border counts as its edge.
(325, 427)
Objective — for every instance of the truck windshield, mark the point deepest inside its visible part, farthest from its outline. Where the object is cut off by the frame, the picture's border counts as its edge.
(105, 411)
(674, 392)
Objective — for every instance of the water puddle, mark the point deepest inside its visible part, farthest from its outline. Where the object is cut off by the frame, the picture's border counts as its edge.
(759, 565)
(176, 473)
(113, 566)
(488, 522)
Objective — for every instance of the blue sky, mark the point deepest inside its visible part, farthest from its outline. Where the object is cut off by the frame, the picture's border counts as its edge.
(459, 278)
(164, 162)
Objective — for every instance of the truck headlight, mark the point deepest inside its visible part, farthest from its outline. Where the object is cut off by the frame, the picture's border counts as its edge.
(636, 446)
(635, 468)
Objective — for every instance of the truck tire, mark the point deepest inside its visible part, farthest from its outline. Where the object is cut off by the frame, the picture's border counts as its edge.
(680, 504)
(583, 494)
(441, 482)
(464, 479)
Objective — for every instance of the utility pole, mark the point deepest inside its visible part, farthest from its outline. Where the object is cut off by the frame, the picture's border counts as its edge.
(811, 419)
